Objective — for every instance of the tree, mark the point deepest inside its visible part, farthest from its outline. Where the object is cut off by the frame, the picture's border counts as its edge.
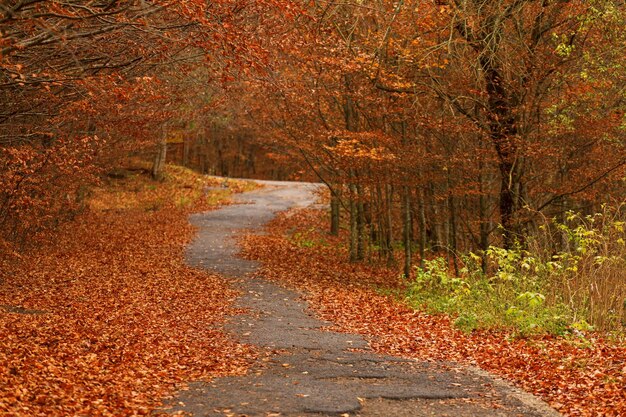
(478, 108)
(82, 83)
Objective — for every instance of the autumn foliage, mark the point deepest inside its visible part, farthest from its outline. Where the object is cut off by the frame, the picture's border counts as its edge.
(452, 129)
(106, 319)
(84, 83)
(450, 126)
(442, 130)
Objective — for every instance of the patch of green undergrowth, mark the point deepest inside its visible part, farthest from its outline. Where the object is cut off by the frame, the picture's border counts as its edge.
(308, 238)
(572, 282)
(510, 298)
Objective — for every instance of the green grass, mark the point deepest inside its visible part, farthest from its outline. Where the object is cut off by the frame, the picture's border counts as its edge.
(506, 300)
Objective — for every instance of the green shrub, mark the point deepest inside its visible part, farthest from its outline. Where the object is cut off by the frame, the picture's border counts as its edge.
(510, 298)
(577, 287)
(588, 269)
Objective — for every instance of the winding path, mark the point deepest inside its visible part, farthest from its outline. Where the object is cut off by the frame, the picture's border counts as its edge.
(311, 372)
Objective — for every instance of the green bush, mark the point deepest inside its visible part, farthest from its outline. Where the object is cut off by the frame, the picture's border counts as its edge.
(510, 298)
(571, 278)
(588, 269)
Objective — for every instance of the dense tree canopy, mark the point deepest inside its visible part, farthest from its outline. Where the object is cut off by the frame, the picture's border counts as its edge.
(472, 114)
(438, 121)
(84, 83)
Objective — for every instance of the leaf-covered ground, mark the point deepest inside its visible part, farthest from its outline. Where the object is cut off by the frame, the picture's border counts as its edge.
(105, 319)
(578, 377)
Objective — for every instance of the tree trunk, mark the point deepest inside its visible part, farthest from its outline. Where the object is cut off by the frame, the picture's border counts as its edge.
(422, 226)
(159, 160)
(380, 220)
(483, 216)
(389, 228)
(503, 134)
(334, 213)
(186, 145)
(352, 124)
(452, 241)
(407, 226)
(360, 224)
(354, 235)
(436, 220)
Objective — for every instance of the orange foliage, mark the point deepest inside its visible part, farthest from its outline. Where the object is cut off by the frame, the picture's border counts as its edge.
(107, 319)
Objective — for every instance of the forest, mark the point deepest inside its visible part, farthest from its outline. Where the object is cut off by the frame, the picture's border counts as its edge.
(476, 148)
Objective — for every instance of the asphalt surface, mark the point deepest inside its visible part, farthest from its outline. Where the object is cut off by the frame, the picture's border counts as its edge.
(309, 371)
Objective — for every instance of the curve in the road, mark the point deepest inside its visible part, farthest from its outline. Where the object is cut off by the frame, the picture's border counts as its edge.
(319, 372)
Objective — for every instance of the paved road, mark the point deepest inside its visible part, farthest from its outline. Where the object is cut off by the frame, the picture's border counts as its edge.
(313, 372)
